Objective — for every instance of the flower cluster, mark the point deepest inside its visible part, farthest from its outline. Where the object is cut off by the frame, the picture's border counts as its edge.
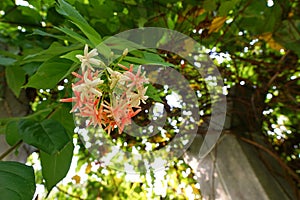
(108, 98)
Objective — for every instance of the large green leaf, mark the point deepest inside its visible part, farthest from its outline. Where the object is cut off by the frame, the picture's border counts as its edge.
(12, 133)
(50, 73)
(31, 68)
(258, 18)
(45, 34)
(144, 61)
(55, 167)
(17, 181)
(15, 77)
(68, 11)
(54, 50)
(74, 35)
(288, 35)
(49, 135)
(62, 114)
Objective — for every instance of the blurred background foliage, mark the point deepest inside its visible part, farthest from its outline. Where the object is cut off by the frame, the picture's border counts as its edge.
(254, 43)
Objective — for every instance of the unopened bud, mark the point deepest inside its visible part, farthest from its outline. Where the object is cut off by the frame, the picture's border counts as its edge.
(112, 54)
(125, 52)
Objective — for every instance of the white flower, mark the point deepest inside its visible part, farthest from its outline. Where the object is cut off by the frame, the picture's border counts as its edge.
(136, 98)
(115, 77)
(87, 59)
(88, 87)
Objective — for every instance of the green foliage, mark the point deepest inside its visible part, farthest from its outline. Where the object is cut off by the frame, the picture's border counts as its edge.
(258, 18)
(47, 135)
(15, 77)
(153, 93)
(51, 73)
(62, 114)
(12, 133)
(56, 166)
(68, 11)
(17, 181)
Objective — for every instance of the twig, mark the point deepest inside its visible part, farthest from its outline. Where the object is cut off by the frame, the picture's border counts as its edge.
(254, 62)
(67, 193)
(10, 150)
(279, 64)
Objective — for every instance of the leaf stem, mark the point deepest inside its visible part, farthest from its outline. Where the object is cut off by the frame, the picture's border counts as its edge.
(8, 151)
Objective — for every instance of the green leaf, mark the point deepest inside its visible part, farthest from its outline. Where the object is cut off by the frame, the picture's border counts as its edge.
(6, 61)
(258, 18)
(31, 68)
(45, 34)
(15, 77)
(209, 5)
(68, 11)
(12, 133)
(288, 35)
(17, 181)
(50, 73)
(54, 50)
(40, 115)
(153, 57)
(143, 61)
(71, 56)
(74, 35)
(9, 126)
(49, 135)
(225, 7)
(62, 114)
(55, 167)
(153, 93)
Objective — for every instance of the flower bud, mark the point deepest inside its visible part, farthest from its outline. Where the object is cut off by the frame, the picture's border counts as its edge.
(125, 52)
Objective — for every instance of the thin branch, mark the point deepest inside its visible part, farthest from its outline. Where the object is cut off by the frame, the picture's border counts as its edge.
(67, 193)
(7, 152)
(279, 64)
(253, 62)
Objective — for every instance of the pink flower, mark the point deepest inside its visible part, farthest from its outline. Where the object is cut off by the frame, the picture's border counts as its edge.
(120, 113)
(94, 114)
(137, 79)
